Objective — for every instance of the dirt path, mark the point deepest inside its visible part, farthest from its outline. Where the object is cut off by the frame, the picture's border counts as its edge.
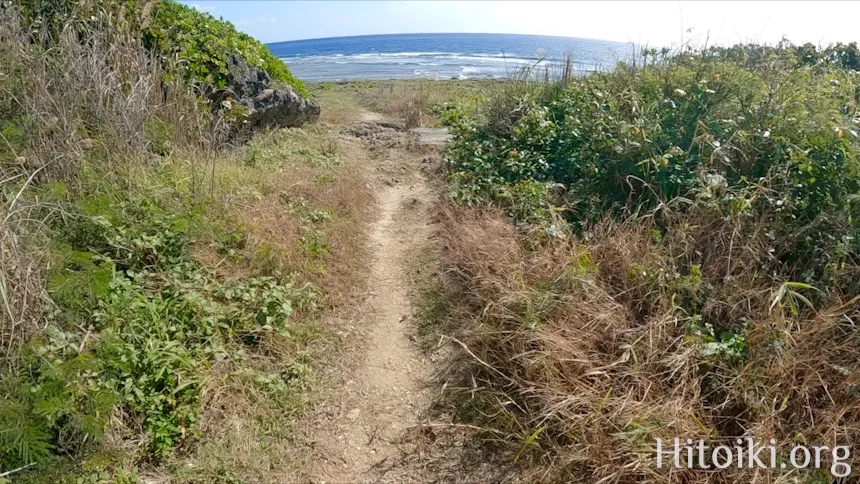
(385, 390)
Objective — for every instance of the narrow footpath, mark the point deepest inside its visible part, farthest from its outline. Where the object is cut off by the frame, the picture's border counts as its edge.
(387, 389)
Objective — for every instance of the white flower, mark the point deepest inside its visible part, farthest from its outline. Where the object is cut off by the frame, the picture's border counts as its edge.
(766, 134)
(680, 92)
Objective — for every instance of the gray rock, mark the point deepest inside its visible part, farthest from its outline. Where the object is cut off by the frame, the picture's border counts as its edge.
(268, 105)
(246, 81)
(432, 136)
(282, 107)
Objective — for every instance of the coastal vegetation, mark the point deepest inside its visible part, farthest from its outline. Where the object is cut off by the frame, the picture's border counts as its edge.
(175, 33)
(204, 44)
(667, 249)
(160, 286)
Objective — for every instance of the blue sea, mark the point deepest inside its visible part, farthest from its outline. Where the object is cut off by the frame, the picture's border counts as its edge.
(441, 56)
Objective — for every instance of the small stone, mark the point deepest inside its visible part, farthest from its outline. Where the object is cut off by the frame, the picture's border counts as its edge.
(353, 414)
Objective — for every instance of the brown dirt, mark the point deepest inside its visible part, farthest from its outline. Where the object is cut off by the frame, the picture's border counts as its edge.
(360, 429)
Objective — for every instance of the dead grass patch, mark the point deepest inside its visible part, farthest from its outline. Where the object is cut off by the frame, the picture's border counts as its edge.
(406, 102)
(574, 351)
(339, 106)
(418, 102)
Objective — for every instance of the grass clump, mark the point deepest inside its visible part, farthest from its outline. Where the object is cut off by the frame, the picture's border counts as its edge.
(667, 249)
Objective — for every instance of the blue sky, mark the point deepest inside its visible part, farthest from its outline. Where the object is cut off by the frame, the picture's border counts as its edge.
(654, 23)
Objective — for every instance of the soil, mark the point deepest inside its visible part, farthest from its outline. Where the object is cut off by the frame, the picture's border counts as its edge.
(360, 428)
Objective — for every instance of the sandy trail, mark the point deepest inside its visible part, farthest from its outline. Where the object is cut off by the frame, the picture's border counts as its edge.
(385, 389)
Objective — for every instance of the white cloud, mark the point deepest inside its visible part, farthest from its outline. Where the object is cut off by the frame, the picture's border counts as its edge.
(203, 8)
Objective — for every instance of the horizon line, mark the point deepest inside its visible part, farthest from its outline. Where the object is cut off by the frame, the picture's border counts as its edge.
(446, 33)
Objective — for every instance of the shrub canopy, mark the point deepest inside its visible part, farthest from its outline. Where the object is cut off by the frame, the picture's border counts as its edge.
(753, 131)
(172, 30)
(205, 42)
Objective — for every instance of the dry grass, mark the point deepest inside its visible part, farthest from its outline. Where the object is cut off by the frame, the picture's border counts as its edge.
(88, 102)
(100, 95)
(339, 104)
(301, 206)
(22, 289)
(250, 429)
(410, 103)
(576, 352)
(300, 201)
(416, 101)
(339, 114)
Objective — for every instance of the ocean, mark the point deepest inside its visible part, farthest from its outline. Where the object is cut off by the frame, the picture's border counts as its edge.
(441, 56)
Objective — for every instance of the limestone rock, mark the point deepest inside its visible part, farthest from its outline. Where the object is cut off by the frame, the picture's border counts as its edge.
(269, 105)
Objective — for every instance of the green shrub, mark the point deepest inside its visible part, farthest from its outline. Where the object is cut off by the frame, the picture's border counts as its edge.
(775, 142)
(204, 43)
(176, 32)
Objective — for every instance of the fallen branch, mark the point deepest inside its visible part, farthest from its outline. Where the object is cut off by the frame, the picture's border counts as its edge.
(9, 473)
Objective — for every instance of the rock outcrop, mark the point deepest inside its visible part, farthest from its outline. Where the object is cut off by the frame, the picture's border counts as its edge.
(268, 105)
